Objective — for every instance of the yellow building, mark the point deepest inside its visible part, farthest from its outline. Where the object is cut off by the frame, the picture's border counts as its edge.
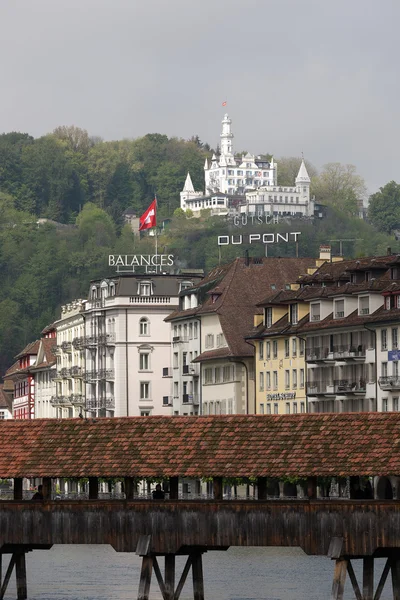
(280, 368)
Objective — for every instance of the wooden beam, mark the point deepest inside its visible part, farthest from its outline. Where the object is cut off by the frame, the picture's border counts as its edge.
(93, 488)
(182, 580)
(262, 488)
(197, 572)
(20, 573)
(368, 578)
(7, 577)
(217, 488)
(46, 483)
(354, 582)
(18, 491)
(160, 579)
(395, 567)
(339, 578)
(129, 484)
(173, 488)
(311, 487)
(169, 576)
(145, 578)
(383, 578)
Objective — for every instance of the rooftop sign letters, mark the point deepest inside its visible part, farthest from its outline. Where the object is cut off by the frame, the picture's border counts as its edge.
(252, 238)
(153, 263)
(287, 396)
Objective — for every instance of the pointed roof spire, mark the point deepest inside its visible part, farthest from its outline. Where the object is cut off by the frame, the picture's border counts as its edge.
(206, 164)
(188, 187)
(302, 175)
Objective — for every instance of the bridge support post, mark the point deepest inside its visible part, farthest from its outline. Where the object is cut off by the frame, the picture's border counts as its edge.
(18, 491)
(17, 560)
(344, 565)
(93, 488)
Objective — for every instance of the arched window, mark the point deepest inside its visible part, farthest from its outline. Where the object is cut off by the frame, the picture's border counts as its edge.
(144, 326)
(93, 293)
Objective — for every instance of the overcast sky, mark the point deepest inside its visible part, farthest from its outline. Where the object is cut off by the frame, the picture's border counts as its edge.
(298, 75)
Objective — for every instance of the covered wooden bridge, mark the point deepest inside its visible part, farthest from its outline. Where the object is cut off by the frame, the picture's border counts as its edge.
(260, 447)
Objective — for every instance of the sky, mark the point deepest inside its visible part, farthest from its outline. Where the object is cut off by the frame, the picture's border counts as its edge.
(298, 75)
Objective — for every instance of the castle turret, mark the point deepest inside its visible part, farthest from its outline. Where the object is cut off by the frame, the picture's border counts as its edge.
(303, 182)
(188, 192)
(226, 141)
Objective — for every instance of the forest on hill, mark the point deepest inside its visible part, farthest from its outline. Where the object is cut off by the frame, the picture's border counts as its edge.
(86, 184)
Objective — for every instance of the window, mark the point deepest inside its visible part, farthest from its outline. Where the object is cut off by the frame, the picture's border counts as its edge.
(364, 305)
(220, 340)
(144, 361)
(185, 285)
(268, 316)
(384, 339)
(144, 326)
(294, 378)
(294, 347)
(268, 350)
(275, 409)
(302, 407)
(268, 380)
(217, 374)
(395, 404)
(302, 347)
(261, 350)
(384, 370)
(208, 375)
(394, 339)
(145, 413)
(367, 275)
(339, 309)
(144, 390)
(301, 378)
(395, 368)
(227, 373)
(384, 404)
(190, 331)
(316, 312)
(175, 360)
(145, 288)
(275, 380)
(286, 348)
(261, 409)
(294, 312)
(295, 408)
(195, 330)
(268, 409)
(288, 408)
(287, 379)
(275, 349)
(209, 340)
(261, 381)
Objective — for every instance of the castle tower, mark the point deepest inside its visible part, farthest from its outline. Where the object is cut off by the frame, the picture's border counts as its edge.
(226, 142)
(303, 182)
(188, 192)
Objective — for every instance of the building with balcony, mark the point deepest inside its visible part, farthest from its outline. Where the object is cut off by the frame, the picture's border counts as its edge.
(69, 397)
(128, 343)
(6, 398)
(246, 184)
(209, 330)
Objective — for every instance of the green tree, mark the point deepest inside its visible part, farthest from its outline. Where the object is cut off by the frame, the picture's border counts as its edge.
(95, 226)
(384, 207)
(340, 186)
(288, 167)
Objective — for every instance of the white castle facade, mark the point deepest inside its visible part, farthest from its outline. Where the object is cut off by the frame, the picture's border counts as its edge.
(246, 184)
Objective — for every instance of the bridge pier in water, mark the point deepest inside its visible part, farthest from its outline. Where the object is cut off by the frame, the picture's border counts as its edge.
(167, 583)
(18, 563)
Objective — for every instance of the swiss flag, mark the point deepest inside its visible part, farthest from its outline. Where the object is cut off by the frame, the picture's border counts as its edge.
(148, 218)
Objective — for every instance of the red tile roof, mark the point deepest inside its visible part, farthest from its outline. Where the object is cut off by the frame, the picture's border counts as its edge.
(228, 446)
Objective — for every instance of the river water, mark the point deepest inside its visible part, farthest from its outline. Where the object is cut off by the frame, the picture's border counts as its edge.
(100, 573)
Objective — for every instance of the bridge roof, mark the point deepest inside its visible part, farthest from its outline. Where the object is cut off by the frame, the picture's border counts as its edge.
(228, 446)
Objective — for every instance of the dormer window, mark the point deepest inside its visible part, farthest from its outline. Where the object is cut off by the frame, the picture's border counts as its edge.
(294, 313)
(316, 312)
(353, 278)
(367, 275)
(185, 285)
(364, 305)
(268, 316)
(93, 293)
(145, 288)
(112, 289)
(394, 273)
(339, 309)
(214, 298)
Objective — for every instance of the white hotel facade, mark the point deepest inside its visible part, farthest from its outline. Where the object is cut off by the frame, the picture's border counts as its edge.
(246, 185)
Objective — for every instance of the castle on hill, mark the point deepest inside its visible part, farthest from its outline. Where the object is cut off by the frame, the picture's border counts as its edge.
(246, 184)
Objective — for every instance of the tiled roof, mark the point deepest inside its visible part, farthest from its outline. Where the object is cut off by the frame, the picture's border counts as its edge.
(213, 354)
(31, 348)
(228, 446)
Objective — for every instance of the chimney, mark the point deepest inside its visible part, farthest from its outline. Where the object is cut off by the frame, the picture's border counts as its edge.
(325, 253)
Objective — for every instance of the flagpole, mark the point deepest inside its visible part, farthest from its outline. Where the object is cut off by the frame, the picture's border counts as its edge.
(155, 198)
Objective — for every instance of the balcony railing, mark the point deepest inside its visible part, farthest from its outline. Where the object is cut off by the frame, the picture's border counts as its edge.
(77, 400)
(317, 353)
(150, 299)
(90, 340)
(340, 352)
(60, 401)
(180, 338)
(339, 314)
(78, 343)
(348, 386)
(391, 382)
(64, 372)
(77, 371)
(187, 398)
(106, 339)
(66, 346)
(364, 311)
(91, 376)
(108, 402)
(106, 374)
